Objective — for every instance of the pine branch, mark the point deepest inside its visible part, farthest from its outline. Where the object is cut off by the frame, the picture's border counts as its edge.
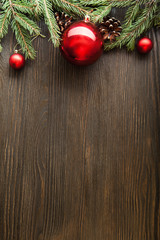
(68, 7)
(26, 23)
(38, 8)
(23, 8)
(4, 22)
(101, 12)
(22, 15)
(157, 16)
(23, 39)
(21, 34)
(129, 35)
(131, 14)
(51, 22)
(97, 3)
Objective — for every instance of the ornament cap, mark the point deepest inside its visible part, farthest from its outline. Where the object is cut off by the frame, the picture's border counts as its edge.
(87, 18)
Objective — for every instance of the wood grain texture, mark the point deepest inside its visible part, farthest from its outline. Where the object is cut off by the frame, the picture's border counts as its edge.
(79, 147)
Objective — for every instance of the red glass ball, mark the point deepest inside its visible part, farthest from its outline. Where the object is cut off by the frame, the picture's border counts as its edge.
(82, 43)
(145, 45)
(17, 61)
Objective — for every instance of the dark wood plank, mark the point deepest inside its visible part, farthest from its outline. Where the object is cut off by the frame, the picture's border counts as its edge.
(80, 156)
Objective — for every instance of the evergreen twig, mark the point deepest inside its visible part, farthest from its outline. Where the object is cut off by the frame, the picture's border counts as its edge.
(23, 15)
(51, 21)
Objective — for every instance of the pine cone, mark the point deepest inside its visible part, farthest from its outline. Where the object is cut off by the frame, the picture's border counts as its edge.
(63, 20)
(110, 28)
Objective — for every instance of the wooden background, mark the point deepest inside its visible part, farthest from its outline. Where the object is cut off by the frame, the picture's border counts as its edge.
(80, 146)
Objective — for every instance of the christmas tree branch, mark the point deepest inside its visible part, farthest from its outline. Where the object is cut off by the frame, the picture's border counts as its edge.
(131, 14)
(28, 24)
(23, 8)
(22, 26)
(157, 17)
(23, 15)
(51, 22)
(4, 22)
(38, 9)
(23, 39)
(97, 3)
(101, 12)
(142, 23)
(68, 7)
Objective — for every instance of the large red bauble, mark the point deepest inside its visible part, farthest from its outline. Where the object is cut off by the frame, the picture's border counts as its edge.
(145, 45)
(82, 43)
(17, 61)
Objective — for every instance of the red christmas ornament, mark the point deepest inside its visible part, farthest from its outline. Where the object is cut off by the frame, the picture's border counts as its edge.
(82, 43)
(17, 61)
(145, 45)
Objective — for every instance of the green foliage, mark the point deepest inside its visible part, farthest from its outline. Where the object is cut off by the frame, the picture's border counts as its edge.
(50, 21)
(101, 12)
(38, 8)
(23, 8)
(97, 3)
(131, 14)
(28, 24)
(135, 24)
(4, 22)
(23, 15)
(74, 9)
(24, 39)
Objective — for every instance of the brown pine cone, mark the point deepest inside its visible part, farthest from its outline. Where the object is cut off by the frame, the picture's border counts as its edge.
(63, 20)
(110, 28)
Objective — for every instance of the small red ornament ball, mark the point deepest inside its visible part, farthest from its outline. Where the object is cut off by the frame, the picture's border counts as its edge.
(17, 61)
(82, 43)
(145, 45)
